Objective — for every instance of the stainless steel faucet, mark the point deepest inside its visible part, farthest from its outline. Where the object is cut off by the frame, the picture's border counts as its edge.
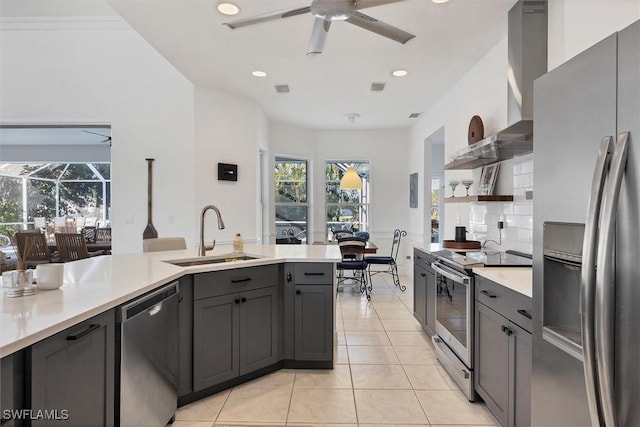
(204, 248)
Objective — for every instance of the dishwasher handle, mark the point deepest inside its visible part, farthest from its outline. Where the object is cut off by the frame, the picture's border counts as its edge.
(150, 303)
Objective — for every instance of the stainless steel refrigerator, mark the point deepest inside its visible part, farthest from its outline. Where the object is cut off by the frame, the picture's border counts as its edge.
(586, 241)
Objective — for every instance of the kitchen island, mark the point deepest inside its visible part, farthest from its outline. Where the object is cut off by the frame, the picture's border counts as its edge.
(237, 320)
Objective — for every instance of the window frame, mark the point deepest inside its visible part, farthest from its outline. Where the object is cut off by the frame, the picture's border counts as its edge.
(364, 203)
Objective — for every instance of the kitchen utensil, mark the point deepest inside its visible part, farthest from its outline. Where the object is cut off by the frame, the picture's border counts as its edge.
(467, 183)
(453, 184)
(49, 276)
(150, 231)
(476, 130)
(461, 234)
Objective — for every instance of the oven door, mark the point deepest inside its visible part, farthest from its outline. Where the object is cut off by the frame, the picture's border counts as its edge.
(454, 311)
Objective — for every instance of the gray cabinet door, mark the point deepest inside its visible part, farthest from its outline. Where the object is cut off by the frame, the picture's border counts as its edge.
(430, 301)
(185, 336)
(314, 322)
(288, 313)
(492, 360)
(74, 371)
(419, 293)
(258, 329)
(215, 340)
(520, 363)
(12, 386)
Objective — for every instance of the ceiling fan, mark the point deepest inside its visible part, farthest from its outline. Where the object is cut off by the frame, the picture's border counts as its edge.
(107, 137)
(327, 11)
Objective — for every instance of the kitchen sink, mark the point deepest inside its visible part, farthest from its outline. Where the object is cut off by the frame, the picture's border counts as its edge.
(212, 260)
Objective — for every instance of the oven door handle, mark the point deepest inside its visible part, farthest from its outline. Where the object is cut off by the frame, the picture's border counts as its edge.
(450, 273)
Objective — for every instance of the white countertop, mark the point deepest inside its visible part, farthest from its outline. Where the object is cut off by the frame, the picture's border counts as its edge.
(428, 247)
(95, 285)
(519, 279)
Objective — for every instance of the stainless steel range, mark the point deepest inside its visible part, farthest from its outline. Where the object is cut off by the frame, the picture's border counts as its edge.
(455, 308)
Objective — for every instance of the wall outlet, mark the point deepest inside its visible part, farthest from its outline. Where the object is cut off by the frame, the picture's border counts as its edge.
(408, 256)
(500, 225)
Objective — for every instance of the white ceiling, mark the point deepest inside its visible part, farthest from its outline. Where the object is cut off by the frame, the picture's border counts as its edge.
(450, 38)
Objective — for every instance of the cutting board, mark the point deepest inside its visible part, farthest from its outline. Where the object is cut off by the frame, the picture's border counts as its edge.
(469, 244)
(476, 130)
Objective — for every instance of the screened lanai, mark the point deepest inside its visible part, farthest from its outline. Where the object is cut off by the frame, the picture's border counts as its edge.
(29, 192)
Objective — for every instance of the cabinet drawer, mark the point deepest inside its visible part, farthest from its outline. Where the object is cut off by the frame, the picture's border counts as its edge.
(511, 304)
(225, 282)
(422, 259)
(313, 273)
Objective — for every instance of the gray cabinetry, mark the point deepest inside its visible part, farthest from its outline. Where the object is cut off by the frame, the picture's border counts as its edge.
(308, 312)
(234, 333)
(12, 387)
(503, 352)
(185, 336)
(424, 294)
(73, 371)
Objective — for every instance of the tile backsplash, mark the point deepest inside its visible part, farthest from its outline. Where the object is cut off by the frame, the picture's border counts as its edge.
(517, 215)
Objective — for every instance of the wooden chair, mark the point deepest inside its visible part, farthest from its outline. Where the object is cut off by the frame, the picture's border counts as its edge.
(352, 250)
(389, 261)
(163, 244)
(33, 247)
(89, 233)
(73, 247)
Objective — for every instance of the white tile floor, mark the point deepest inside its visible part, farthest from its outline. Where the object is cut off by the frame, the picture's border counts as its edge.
(385, 373)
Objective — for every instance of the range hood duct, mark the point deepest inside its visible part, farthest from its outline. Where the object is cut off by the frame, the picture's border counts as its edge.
(527, 53)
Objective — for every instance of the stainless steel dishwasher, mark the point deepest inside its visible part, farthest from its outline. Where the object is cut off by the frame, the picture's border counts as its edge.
(149, 359)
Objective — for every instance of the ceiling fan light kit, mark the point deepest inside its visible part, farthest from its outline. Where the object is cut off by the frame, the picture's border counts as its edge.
(327, 11)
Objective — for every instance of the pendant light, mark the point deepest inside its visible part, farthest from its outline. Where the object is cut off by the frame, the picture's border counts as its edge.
(351, 180)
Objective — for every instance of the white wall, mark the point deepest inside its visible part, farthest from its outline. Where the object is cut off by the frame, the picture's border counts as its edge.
(575, 25)
(386, 150)
(482, 91)
(228, 129)
(73, 73)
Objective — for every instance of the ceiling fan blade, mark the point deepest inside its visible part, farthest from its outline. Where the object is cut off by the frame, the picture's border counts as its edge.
(379, 27)
(95, 133)
(362, 4)
(318, 36)
(267, 17)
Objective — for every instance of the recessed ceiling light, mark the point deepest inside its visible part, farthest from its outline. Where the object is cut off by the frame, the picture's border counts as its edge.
(439, 1)
(228, 8)
(399, 73)
(258, 73)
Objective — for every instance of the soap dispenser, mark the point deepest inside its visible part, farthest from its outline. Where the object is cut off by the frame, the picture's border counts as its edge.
(237, 243)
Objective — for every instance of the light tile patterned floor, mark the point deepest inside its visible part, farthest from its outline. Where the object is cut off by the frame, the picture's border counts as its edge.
(385, 374)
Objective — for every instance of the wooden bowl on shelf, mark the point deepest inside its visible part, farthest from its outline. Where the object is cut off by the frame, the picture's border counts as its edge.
(469, 244)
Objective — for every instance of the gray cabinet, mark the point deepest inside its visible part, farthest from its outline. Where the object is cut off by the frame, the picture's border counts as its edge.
(234, 333)
(503, 352)
(12, 387)
(424, 291)
(308, 312)
(185, 336)
(72, 374)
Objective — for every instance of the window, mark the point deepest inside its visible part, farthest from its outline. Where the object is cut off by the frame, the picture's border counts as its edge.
(291, 202)
(50, 190)
(346, 209)
(435, 209)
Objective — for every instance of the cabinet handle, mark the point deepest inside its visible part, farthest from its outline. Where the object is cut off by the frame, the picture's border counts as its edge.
(525, 314)
(180, 298)
(487, 293)
(423, 274)
(298, 292)
(243, 299)
(244, 279)
(289, 277)
(81, 334)
(314, 274)
(504, 328)
(236, 301)
(509, 332)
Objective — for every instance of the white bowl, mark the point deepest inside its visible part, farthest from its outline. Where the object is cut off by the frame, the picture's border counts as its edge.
(49, 276)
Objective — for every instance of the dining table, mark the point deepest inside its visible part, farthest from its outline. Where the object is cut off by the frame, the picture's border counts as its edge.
(91, 247)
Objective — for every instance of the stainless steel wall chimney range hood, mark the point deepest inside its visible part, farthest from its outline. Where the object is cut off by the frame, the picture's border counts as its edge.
(527, 46)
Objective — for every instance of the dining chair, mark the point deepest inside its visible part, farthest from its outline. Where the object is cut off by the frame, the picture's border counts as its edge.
(388, 261)
(163, 244)
(352, 250)
(341, 234)
(32, 246)
(289, 239)
(90, 234)
(73, 246)
(103, 235)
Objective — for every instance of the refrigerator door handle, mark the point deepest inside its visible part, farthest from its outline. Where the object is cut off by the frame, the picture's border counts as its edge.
(588, 275)
(605, 284)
